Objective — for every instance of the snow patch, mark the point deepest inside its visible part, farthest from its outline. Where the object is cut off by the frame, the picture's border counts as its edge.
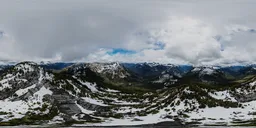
(94, 101)
(223, 95)
(40, 94)
(84, 110)
(207, 71)
(21, 92)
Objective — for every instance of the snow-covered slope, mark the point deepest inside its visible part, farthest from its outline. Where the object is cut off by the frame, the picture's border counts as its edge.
(210, 75)
(81, 95)
(157, 75)
(22, 88)
(111, 70)
(206, 70)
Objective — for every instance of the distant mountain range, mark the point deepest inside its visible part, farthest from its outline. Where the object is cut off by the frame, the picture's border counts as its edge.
(114, 94)
(165, 74)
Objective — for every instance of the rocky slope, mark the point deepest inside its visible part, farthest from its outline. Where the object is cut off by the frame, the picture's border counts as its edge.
(89, 95)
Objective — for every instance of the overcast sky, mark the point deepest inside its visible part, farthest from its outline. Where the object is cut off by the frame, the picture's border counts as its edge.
(198, 32)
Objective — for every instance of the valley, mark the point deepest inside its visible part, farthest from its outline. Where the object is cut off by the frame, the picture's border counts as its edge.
(126, 94)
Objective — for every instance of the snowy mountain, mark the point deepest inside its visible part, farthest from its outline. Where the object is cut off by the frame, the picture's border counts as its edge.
(110, 70)
(54, 66)
(152, 69)
(207, 75)
(157, 75)
(89, 94)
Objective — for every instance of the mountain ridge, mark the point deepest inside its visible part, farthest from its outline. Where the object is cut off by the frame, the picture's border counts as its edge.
(84, 95)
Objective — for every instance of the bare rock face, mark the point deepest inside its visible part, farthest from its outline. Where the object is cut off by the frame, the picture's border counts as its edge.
(246, 97)
(69, 109)
(111, 71)
(79, 93)
(92, 107)
(66, 104)
(18, 77)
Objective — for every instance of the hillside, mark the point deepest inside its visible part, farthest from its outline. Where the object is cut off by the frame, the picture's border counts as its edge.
(108, 94)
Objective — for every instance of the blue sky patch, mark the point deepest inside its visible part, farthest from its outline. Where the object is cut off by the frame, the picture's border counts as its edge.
(160, 46)
(120, 51)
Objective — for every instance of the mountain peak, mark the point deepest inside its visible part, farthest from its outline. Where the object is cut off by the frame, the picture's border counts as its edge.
(89, 91)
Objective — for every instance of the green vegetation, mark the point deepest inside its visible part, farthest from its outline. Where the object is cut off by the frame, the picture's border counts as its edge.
(31, 118)
(3, 113)
(190, 91)
(245, 123)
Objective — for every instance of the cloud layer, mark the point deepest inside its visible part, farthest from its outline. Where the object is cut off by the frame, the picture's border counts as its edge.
(180, 32)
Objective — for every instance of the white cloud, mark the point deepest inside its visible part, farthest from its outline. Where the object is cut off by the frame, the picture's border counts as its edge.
(191, 41)
(192, 32)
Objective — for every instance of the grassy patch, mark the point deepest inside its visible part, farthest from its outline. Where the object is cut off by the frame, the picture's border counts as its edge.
(3, 113)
